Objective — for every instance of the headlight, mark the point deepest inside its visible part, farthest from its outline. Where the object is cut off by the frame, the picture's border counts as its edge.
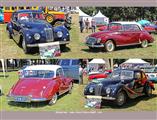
(98, 40)
(108, 90)
(91, 89)
(59, 34)
(36, 36)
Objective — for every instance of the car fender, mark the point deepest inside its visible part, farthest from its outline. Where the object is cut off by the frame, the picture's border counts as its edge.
(146, 36)
(9, 28)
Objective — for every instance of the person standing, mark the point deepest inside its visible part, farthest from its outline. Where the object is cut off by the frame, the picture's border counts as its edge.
(87, 24)
(93, 24)
(81, 25)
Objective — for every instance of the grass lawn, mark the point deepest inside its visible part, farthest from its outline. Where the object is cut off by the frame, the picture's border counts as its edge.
(77, 48)
(72, 102)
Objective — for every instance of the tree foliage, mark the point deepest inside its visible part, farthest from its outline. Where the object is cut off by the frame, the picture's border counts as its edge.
(124, 13)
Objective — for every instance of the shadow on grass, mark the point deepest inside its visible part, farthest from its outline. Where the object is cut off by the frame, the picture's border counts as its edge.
(34, 104)
(96, 50)
(129, 102)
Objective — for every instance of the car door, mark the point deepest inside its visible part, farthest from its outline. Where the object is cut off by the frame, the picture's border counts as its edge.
(15, 26)
(131, 34)
(140, 79)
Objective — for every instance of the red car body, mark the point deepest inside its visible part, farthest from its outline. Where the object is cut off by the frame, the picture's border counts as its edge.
(119, 34)
(33, 89)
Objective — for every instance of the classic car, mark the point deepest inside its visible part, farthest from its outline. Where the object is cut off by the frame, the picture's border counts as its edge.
(29, 29)
(1, 15)
(122, 84)
(97, 75)
(151, 72)
(119, 34)
(39, 83)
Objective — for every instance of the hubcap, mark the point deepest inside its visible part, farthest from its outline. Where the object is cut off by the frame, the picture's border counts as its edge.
(54, 99)
(144, 43)
(120, 99)
(110, 46)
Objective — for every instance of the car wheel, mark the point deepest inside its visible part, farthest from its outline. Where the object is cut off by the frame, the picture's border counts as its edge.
(70, 88)
(54, 99)
(144, 44)
(63, 46)
(148, 91)
(49, 18)
(109, 46)
(24, 46)
(121, 98)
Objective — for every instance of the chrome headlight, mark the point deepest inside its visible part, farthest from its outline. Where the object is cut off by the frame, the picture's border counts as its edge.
(108, 90)
(91, 89)
(98, 40)
(59, 34)
(37, 36)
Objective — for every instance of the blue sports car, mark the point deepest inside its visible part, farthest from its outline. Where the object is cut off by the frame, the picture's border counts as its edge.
(29, 29)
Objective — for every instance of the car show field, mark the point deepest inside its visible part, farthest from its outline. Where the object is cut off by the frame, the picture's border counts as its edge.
(77, 100)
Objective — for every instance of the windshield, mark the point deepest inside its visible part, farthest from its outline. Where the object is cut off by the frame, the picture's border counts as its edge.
(114, 27)
(122, 74)
(150, 69)
(37, 74)
(35, 15)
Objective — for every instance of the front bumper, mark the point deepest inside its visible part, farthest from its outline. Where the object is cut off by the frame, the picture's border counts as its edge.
(37, 44)
(26, 99)
(95, 46)
(100, 97)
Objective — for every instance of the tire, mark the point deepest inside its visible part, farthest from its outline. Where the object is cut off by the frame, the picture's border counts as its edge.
(53, 99)
(49, 18)
(24, 46)
(109, 46)
(70, 88)
(144, 43)
(120, 99)
(63, 46)
(148, 91)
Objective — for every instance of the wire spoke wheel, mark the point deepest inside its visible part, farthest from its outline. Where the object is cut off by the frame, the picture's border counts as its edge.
(144, 43)
(54, 99)
(109, 46)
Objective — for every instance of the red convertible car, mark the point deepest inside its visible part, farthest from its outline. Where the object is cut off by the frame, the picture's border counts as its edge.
(40, 83)
(119, 34)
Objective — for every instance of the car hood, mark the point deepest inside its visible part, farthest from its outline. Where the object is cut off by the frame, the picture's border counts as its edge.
(102, 34)
(35, 23)
(33, 86)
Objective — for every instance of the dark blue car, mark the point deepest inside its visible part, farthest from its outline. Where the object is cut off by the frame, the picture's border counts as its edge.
(29, 29)
(122, 84)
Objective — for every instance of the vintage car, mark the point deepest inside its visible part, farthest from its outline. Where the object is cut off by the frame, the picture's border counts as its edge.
(29, 29)
(97, 75)
(1, 15)
(39, 83)
(151, 72)
(119, 34)
(122, 84)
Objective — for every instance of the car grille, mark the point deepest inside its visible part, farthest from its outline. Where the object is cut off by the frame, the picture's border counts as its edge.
(49, 34)
(98, 89)
(91, 40)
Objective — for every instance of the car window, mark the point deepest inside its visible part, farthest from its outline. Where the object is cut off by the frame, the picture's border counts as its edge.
(59, 72)
(115, 27)
(14, 17)
(131, 27)
(65, 62)
(75, 62)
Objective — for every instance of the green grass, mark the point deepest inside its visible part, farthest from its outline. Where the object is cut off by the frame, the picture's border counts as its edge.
(72, 102)
(77, 48)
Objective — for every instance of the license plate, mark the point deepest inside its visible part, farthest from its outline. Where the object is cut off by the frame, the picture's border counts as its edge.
(21, 99)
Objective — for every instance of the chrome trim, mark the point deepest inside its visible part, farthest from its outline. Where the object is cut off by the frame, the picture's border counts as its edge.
(95, 46)
(37, 44)
(100, 97)
(128, 44)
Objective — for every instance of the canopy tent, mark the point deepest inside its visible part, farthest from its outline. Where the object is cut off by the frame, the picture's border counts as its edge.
(134, 63)
(84, 16)
(96, 65)
(101, 19)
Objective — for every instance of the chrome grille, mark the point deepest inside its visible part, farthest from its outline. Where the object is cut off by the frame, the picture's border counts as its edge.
(98, 89)
(91, 40)
(49, 34)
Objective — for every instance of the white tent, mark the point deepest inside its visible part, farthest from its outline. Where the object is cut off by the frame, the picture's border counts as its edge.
(84, 16)
(134, 63)
(101, 19)
(96, 65)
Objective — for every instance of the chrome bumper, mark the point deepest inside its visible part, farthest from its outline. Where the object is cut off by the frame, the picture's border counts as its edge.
(95, 46)
(37, 44)
(100, 97)
(26, 99)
